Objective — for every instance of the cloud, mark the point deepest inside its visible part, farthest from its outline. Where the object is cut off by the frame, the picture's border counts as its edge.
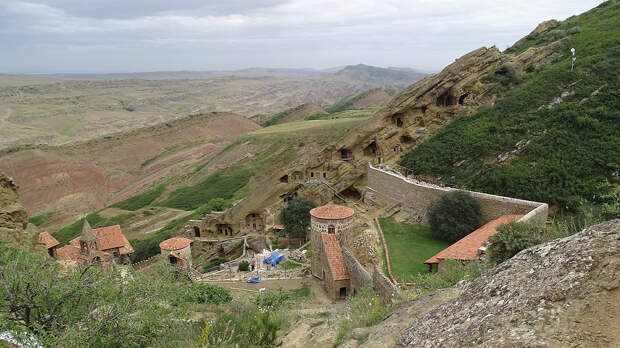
(166, 35)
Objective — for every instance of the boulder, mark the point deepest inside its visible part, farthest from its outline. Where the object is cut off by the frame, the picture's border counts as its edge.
(565, 293)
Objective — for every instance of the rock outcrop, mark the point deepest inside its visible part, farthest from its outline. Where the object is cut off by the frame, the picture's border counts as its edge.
(565, 293)
(14, 228)
(13, 216)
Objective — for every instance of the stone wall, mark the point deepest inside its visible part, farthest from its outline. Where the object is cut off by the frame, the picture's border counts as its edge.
(358, 275)
(388, 187)
(384, 288)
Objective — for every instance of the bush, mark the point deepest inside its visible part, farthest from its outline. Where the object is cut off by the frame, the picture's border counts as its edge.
(452, 272)
(272, 300)
(214, 264)
(243, 325)
(296, 217)
(363, 310)
(205, 293)
(244, 266)
(454, 215)
(512, 238)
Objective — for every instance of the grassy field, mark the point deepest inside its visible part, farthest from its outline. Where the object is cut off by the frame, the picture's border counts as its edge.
(354, 113)
(409, 246)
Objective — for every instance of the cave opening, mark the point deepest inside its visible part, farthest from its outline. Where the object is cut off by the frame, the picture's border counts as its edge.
(462, 98)
(446, 99)
(405, 139)
(371, 149)
(284, 178)
(351, 194)
(398, 120)
(345, 154)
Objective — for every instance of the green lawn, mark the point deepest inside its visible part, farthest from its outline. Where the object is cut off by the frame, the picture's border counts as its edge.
(409, 246)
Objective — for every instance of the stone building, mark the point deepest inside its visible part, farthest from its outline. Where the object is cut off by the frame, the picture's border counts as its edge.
(331, 225)
(104, 244)
(50, 243)
(177, 250)
(467, 248)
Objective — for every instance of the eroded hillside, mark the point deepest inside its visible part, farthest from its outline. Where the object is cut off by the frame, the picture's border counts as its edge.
(74, 179)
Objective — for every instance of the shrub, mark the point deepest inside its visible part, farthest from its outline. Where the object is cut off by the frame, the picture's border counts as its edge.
(452, 272)
(296, 217)
(243, 325)
(244, 266)
(272, 300)
(206, 293)
(214, 264)
(512, 238)
(454, 215)
(364, 309)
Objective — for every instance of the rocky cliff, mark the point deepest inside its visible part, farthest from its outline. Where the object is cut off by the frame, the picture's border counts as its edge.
(13, 216)
(565, 293)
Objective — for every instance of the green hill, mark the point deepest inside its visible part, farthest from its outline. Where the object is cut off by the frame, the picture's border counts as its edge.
(552, 137)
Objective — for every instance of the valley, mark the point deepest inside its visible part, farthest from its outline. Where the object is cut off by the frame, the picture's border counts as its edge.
(477, 206)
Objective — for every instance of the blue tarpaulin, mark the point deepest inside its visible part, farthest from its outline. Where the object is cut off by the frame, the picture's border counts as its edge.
(253, 280)
(273, 259)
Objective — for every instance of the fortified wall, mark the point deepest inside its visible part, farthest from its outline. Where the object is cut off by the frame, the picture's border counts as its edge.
(388, 187)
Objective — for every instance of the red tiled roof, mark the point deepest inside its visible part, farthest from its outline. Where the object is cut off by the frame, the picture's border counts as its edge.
(75, 242)
(467, 247)
(174, 243)
(112, 237)
(48, 240)
(174, 254)
(334, 256)
(332, 212)
(69, 252)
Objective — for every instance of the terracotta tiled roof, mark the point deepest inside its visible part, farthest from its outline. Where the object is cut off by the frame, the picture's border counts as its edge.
(467, 247)
(174, 254)
(69, 252)
(332, 212)
(334, 257)
(75, 242)
(48, 240)
(112, 237)
(174, 243)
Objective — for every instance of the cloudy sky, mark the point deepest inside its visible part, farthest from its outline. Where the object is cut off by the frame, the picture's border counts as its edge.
(51, 36)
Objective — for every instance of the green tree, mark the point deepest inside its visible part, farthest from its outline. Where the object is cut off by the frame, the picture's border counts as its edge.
(512, 238)
(454, 215)
(296, 217)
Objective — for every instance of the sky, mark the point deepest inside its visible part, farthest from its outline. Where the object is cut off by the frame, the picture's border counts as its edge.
(105, 36)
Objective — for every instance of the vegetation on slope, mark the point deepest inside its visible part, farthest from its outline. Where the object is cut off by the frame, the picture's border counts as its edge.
(90, 307)
(142, 200)
(565, 154)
